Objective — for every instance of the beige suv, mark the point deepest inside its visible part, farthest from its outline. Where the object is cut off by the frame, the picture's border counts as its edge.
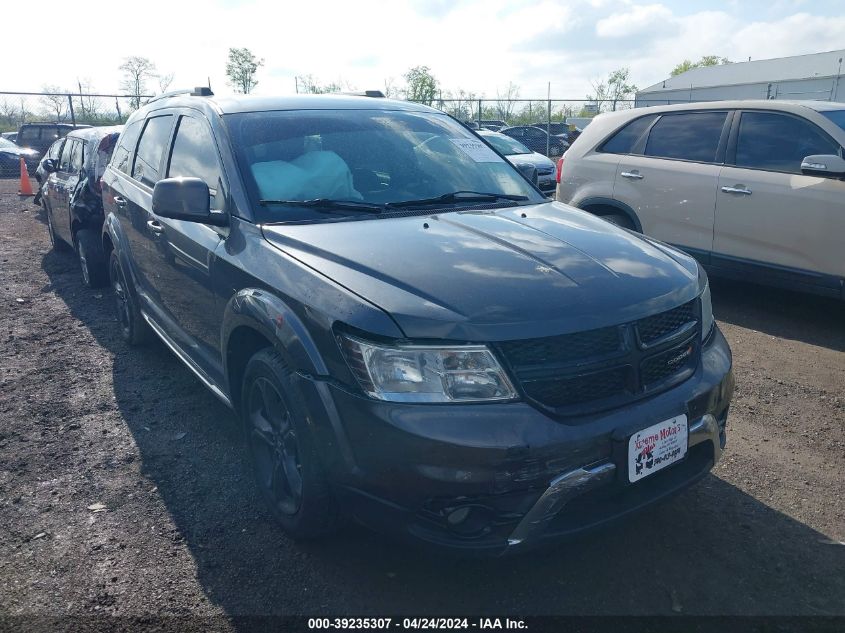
(753, 189)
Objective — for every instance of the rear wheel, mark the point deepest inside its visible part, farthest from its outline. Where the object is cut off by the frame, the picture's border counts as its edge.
(285, 461)
(133, 329)
(92, 260)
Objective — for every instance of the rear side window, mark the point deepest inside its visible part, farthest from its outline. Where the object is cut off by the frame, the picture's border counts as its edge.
(688, 136)
(122, 158)
(195, 156)
(151, 149)
(77, 156)
(624, 140)
(64, 163)
(778, 142)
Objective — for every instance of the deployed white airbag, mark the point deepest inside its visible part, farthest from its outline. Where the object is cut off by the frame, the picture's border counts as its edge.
(313, 175)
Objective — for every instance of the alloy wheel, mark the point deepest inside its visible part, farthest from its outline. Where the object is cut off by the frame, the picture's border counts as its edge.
(274, 446)
(121, 300)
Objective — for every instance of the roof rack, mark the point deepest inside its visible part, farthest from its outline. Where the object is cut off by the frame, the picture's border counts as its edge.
(199, 91)
(376, 94)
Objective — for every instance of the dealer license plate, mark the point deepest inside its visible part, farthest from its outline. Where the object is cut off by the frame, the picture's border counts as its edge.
(657, 447)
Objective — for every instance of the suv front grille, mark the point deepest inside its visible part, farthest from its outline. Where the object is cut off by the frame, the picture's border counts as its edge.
(655, 327)
(574, 374)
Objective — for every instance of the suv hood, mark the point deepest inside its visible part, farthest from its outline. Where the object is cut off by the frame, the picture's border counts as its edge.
(495, 275)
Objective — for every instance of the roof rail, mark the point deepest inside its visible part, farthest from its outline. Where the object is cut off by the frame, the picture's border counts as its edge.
(199, 91)
(376, 94)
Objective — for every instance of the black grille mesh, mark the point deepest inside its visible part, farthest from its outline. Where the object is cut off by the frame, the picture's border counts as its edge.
(605, 367)
(562, 392)
(566, 348)
(659, 367)
(655, 327)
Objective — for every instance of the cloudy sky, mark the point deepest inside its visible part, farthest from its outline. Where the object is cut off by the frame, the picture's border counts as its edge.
(476, 45)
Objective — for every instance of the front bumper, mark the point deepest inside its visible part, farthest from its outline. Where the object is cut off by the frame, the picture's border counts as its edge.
(495, 478)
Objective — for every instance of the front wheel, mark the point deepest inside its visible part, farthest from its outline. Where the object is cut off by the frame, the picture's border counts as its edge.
(285, 461)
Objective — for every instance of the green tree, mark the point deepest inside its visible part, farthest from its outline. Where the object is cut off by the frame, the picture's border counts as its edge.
(421, 85)
(241, 69)
(137, 71)
(706, 60)
(607, 93)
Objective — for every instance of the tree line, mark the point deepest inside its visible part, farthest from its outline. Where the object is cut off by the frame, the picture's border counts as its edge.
(140, 77)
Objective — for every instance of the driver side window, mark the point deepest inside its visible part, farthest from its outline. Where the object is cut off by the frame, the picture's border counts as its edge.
(195, 155)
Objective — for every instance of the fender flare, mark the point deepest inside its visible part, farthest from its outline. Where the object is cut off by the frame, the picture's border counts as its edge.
(266, 313)
(616, 204)
(269, 315)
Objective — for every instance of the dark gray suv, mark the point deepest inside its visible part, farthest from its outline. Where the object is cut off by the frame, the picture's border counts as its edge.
(411, 333)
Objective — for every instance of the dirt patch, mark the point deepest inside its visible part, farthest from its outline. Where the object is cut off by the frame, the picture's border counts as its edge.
(124, 488)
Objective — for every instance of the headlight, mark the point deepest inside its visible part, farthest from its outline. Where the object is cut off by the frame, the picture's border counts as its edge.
(707, 320)
(465, 373)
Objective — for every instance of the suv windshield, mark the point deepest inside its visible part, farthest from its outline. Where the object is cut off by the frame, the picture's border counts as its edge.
(370, 157)
(506, 145)
(837, 116)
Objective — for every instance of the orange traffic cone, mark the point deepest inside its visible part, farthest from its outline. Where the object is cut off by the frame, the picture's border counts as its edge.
(26, 186)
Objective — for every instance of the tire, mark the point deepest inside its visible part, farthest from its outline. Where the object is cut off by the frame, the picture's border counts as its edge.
(287, 468)
(620, 220)
(133, 329)
(92, 259)
(56, 242)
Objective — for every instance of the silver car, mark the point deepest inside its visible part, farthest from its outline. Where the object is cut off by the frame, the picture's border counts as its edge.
(519, 155)
(753, 189)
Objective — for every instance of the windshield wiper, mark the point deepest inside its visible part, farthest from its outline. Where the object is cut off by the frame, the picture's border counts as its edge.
(459, 196)
(327, 204)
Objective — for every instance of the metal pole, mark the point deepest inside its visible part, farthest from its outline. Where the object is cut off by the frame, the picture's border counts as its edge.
(72, 115)
(549, 119)
(117, 107)
(479, 113)
(81, 102)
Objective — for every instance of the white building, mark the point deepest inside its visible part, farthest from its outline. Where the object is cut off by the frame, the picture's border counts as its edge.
(814, 77)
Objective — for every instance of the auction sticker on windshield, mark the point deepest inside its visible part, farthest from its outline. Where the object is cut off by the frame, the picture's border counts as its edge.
(476, 150)
(657, 447)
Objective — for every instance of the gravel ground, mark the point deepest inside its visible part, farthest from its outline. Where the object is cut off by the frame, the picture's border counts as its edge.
(86, 420)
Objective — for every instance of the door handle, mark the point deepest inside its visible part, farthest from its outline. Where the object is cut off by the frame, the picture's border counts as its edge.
(155, 227)
(633, 175)
(737, 189)
(119, 201)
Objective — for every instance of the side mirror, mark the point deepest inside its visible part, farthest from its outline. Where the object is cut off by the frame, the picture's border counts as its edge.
(829, 165)
(529, 171)
(50, 165)
(184, 199)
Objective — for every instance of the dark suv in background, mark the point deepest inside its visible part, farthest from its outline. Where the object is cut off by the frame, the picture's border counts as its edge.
(411, 333)
(39, 136)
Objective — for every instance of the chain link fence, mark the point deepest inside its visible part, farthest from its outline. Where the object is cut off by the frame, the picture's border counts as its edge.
(555, 117)
(55, 113)
(17, 108)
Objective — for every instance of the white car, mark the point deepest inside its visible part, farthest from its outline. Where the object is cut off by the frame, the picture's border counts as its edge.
(753, 189)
